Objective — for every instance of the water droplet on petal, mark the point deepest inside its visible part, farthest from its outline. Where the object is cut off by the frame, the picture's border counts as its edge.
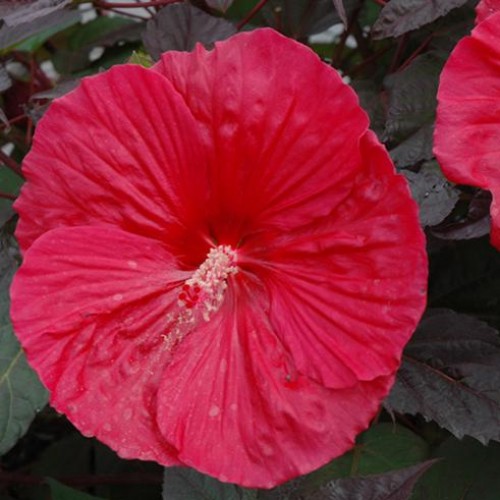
(214, 411)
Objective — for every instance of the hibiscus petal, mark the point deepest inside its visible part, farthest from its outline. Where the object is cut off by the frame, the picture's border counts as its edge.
(89, 307)
(233, 407)
(348, 289)
(468, 116)
(283, 128)
(122, 149)
(485, 8)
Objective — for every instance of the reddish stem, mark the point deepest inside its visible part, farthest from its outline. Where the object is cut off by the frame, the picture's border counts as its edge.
(380, 2)
(12, 121)
(417, 52)
(7, 196)
(251, 14)
(399, 52)
(11, 164)
(151, 10)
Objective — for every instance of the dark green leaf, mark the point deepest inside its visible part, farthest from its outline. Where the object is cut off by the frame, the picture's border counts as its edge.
(394, 485)
(380, 449)
(62, 492)
(451, 374)
(467, 471)
(105, 32)
(6, 211)
(182, 483)
(435, 196)
(21, 393)
(412, 96)
(75, 455)
(180, 26)
(400, 16)
(34, 42)
(9, 181)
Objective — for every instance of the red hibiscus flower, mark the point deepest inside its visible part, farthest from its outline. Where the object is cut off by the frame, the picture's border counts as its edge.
(485, 8)
(468, 115)
(221, 267)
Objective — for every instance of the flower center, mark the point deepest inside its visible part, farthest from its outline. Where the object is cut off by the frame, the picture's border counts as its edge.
(202, 294)
(207, 285)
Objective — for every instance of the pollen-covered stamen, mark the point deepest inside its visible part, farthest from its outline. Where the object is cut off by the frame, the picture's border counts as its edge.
(201, 295)
(207, 285)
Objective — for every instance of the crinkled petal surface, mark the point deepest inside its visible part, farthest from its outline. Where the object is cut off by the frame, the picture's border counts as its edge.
(134, 177)
(285, 144)
(333, 219)
(340, 283)
(121, 149)
(235, 384)
(468, 121)
(227, 402)
(89, 307)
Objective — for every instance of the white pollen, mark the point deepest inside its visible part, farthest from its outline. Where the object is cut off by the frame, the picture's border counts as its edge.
(201, 295)
(118, 297)
(211, 278)
(132, 264)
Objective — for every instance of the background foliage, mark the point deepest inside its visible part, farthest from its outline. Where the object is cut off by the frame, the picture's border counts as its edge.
(437, 436)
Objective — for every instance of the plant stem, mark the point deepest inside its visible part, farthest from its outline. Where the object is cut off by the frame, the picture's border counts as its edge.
(251, 14)
(417, 52)
(7, 196)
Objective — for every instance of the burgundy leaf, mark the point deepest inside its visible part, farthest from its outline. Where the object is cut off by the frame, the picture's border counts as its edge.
(18, 12)
(181, 26)
(394, 485)
(401, 16)
(339, 7)
(435, 196)
(21, 25)
(221, 5)
(451, 374)
(416, 148)
(474, 224)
